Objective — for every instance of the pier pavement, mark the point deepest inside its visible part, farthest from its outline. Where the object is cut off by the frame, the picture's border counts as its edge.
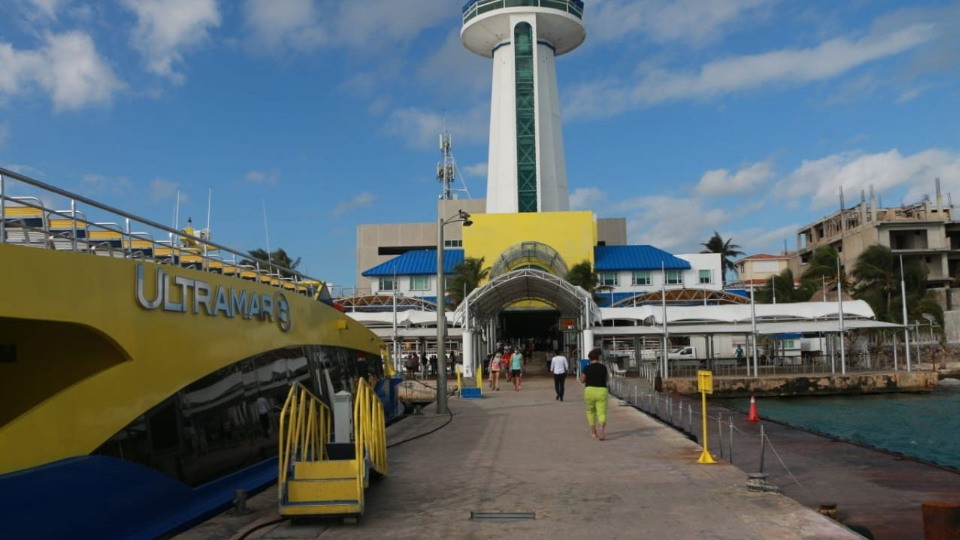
(526, 454)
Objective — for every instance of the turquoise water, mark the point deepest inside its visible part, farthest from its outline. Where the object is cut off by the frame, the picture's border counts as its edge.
(925, 426)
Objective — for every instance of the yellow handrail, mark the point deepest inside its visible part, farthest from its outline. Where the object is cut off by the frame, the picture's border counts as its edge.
(388, 361)
(371, 435)
(304, 432)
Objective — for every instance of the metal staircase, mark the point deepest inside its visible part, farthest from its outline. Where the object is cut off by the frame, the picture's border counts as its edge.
(322, 478)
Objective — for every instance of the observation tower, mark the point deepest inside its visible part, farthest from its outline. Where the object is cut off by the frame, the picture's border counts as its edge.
(526, 167)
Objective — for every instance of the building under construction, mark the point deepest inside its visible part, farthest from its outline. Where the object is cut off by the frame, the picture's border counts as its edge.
(924, 232)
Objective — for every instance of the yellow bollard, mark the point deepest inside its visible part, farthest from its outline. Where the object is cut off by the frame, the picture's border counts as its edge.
(705, 386)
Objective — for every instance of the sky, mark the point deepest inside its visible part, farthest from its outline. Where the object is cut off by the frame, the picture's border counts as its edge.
(744, 117)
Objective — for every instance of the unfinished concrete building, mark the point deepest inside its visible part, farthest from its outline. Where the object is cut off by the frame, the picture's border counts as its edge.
(923, 232)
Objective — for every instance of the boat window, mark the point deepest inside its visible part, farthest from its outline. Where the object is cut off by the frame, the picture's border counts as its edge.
(227, 420)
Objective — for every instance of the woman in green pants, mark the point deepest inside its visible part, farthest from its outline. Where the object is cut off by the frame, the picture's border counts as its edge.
(594, 375)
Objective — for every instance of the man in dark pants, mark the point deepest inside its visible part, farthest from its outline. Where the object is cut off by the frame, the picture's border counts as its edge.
(558, 366)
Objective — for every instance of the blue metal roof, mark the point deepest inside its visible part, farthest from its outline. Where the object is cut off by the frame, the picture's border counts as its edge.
(613, 258)
(419, 262)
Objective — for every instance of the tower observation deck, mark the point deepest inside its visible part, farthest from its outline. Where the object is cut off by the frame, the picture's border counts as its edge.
(526, 167)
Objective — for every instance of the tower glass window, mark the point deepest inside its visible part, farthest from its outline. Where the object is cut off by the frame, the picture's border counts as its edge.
(674, 277)
(705, 277)
(386, 283)
(526, 119)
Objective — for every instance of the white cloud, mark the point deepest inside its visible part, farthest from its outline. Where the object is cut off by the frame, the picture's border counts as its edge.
(477, 170)
(47, 8)
(421, 128)
(694, 22)
(305, 25)
(281, 24)
(821, 179)
(783, 67)
(161, 189)
(4, 132)
(912, 94)
(363, 200)
(380, 23)
(456, 69)
(165, 28)
(653, 220)
(586, 198)
(763, 240)
(98, 184)
(264, 178)
(720, 182)
(67, 67)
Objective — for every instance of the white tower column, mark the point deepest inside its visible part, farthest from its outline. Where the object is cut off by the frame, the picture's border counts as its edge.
(526, 166)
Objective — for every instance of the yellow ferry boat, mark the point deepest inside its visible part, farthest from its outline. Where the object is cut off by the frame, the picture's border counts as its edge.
(141, 379)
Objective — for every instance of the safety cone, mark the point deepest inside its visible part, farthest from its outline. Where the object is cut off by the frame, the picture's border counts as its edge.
(753, 416)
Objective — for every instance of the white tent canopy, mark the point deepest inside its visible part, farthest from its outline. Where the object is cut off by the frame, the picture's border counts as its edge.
(405, 319)
(740, 313)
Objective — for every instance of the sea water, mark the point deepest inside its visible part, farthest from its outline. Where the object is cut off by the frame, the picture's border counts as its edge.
(925, 426)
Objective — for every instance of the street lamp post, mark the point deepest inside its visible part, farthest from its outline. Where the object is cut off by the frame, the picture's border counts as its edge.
(441, 311)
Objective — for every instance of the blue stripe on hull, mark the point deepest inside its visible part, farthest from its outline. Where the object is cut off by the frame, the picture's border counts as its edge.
(102, 497)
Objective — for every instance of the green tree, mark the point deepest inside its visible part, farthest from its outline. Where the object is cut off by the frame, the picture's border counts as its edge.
(821, 271)
(583, 276)
(787, 291)
(727, 250)
(467, 277)
(277, 257)
(877, 279)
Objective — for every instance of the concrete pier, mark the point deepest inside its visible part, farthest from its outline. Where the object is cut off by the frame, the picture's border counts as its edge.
(528, 464)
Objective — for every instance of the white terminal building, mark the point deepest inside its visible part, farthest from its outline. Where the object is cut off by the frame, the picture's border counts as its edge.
(526, 233)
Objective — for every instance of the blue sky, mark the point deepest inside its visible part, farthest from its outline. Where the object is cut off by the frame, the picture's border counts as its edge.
(686, 117)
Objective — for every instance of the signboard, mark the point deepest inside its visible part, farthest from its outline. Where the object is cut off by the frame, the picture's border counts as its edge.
(705, 382)
(567, 324)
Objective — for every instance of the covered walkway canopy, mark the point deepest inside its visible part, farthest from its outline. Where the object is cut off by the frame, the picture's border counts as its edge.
(527, 284)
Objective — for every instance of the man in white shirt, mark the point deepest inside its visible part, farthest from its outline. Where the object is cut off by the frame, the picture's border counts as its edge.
(558, 366)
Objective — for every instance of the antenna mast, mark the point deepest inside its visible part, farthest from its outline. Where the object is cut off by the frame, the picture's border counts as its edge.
(446, 173)
(447, 167)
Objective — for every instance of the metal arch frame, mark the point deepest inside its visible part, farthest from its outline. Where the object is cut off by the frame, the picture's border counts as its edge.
(682, 295)
(529, 252)
(527, 284)
(385, 301)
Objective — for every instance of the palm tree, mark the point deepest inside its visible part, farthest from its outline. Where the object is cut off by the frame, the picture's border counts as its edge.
(583, 276)
(727, 250)
(786, 290)
(467, 277)
(877, 277)
(822, 270)
(278, 257)
(877, 281)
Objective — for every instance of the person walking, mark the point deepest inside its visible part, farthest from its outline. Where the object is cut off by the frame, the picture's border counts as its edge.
(594, 376)
(516, 368)
(558, 366)
(505, 362)
(495, 371)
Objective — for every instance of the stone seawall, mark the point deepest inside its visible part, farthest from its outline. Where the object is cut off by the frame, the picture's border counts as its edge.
(811, 385)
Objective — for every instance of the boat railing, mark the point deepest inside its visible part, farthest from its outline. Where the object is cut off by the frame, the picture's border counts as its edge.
(33, 221)
(304, 432)
(370, 435)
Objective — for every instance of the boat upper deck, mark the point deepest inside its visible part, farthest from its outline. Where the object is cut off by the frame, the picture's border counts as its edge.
(48, 217)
